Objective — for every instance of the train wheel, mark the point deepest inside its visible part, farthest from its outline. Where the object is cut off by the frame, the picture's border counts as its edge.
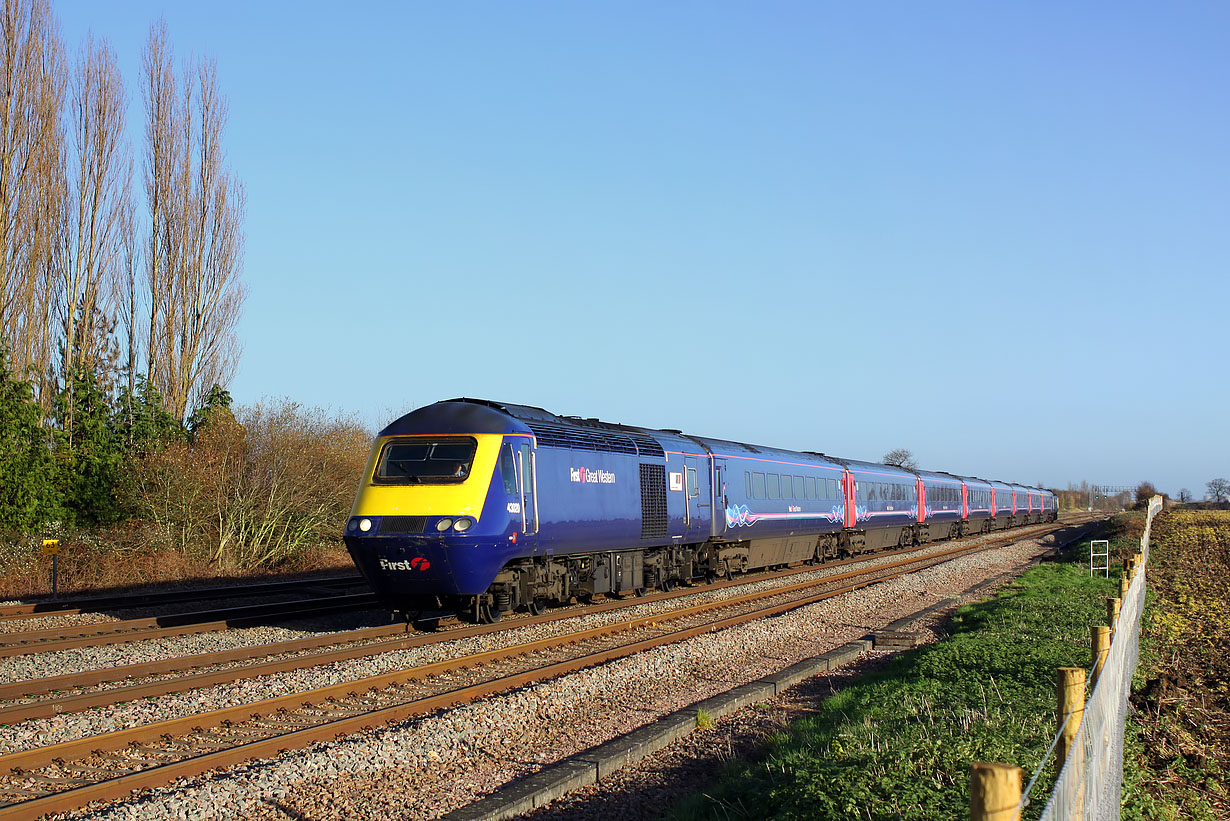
(483, 612)
(668, 585)
(537, 606)
(640, 592)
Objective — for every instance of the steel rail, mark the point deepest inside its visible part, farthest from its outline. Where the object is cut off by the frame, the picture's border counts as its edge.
(128, 601)
(119, 632)
(290, 731)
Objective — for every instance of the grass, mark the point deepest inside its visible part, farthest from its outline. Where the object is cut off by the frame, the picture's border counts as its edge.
(899, 744)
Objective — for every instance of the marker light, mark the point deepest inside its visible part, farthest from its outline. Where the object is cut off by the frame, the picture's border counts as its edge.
(462, 525)
(444, 524)
(365, 525)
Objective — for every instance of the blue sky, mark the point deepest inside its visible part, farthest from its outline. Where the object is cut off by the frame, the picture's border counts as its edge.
(993, 233)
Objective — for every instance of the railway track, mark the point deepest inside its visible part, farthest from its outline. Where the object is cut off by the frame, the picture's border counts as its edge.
(70, 774)
(28, 642)
(131, 601)
(225, 666)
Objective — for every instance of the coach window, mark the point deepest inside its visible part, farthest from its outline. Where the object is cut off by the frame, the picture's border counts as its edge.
(747, 479)
(693, 488)
(798, 487)
(810, 487)
(775, 486)
(787, 488)
(758, 486)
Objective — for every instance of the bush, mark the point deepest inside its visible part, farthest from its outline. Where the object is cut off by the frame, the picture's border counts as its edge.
(253, 490)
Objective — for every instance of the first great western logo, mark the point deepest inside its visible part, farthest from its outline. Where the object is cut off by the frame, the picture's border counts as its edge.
(590, 476)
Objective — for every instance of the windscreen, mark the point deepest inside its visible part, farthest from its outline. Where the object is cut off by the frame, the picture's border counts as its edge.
(425, 462)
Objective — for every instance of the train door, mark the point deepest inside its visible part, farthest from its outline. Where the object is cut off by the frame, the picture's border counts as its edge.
(922, 500)
(699, 498)
(717, 491)
(848, 488)
(528, 479)
(964, 501)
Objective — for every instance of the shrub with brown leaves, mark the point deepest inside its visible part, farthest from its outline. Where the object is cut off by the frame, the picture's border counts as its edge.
(256, 488)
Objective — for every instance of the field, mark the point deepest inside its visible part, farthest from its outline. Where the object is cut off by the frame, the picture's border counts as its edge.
(1182, 754)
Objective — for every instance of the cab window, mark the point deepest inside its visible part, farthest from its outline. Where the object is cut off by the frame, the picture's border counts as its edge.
(508, 468)
(425, 461)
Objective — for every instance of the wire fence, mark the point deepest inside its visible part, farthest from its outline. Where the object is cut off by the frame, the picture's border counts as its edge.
(1090, 782)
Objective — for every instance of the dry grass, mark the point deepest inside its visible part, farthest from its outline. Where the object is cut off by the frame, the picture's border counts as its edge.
(127, 557)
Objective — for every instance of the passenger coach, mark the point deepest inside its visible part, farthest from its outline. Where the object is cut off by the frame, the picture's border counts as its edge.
(486, 507)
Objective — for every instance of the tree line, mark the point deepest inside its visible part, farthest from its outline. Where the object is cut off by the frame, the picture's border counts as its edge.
(120, 292)
(120, 270)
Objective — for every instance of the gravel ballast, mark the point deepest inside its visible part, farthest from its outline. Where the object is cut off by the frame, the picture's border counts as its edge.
(429, 766)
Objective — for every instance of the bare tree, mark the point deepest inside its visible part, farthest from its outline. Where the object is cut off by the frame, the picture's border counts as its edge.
(1185, 495)
(1145, 491)
(900, 457)
(99, 220)
(194, 255)
(1218, 489)
(31, 190)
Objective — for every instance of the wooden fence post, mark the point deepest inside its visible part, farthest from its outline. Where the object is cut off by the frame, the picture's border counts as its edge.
(1112, 613)
(1124, 584)
(1101, 649)
(995, 792)
(1070, 689)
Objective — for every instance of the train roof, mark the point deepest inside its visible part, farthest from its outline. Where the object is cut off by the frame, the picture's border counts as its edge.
(467, 415)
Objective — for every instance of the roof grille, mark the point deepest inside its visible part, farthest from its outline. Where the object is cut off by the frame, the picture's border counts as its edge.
(597, 439)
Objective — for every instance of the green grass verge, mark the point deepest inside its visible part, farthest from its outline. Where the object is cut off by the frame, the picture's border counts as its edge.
(899, 744)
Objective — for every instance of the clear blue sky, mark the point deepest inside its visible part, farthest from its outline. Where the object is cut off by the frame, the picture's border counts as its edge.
(993, 233)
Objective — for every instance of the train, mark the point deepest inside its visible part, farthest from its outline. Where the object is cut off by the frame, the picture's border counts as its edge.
(484, 507)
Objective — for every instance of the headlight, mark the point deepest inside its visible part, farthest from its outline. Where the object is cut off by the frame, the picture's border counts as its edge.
(444, 524)
(365, 525)
(462, 525)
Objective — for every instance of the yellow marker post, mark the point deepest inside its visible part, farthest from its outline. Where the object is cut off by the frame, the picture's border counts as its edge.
(51, 547)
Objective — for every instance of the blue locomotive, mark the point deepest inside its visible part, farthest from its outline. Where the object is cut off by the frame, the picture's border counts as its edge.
(486, 507)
